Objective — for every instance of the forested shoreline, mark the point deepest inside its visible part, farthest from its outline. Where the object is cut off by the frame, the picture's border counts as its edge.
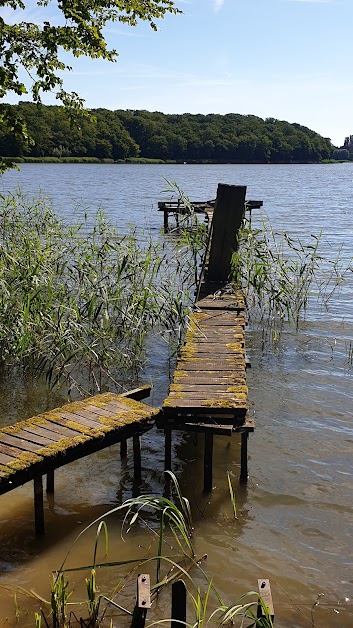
(133, 134)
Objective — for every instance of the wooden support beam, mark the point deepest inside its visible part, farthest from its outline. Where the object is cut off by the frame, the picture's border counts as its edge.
(137, 458)
(143, 601)
(178, 604)
(165, 222)
(244, 457)
(38, 505)
(208, 460)
(227, 218)
(167, 459)
(266, 596)
(123, 448)
(50, 482)
(168, 449)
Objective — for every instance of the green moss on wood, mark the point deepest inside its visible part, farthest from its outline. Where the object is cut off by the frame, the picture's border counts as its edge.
(238, 389)
(25, 460)
(179, 373)
(221, 403)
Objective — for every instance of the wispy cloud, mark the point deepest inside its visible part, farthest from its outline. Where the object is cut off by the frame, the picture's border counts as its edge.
(217, 5)
(313, 1)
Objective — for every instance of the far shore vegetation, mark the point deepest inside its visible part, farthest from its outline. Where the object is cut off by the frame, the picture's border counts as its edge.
(133, 136)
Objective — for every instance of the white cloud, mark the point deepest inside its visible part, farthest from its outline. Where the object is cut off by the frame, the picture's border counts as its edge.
(217, 5)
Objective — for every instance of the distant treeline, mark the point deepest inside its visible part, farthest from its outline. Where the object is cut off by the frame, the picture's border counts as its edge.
(120, 135)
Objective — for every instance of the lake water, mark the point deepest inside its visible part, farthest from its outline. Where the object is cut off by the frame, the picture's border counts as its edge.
(295, 517)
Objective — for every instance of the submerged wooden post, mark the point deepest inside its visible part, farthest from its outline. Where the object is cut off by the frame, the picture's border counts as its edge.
(178, 604)
(50, 482)
(137, 458)
(227, 218)
(38, 505)
(244, 457)
(165, 220)
(143, 601)
(168, 449)
(167, 459)
(208, 460)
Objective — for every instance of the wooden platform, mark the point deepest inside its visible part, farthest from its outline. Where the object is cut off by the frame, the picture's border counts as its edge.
(36, 447)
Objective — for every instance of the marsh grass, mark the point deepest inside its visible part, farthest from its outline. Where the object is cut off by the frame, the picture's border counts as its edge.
(77, 300)
(279, 276)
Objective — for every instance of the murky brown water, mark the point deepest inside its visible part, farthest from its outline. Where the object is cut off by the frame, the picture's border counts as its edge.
(295, 522)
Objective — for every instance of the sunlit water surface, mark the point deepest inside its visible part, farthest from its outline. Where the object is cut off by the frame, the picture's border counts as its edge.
(295, 521)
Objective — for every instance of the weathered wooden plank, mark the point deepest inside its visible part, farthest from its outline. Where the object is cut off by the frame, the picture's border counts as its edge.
(77, 418)
(210, 395)
(62, 422)
(208, 389)
(9, 450)
(5, 459)
(189, 383)
(87, 414)
(205, 405)
(228, 305)
(61, 429)
(217, 319)
(33, 437)
(25, 445)
(205, 352)
(215, 365)
(41, 431)
(102, 411)
(227, 217)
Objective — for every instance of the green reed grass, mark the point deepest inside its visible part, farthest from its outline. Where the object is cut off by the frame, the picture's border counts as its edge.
(77, 300)
(279, 275)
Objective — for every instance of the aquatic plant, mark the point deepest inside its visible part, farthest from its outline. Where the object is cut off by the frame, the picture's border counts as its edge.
(77, 300)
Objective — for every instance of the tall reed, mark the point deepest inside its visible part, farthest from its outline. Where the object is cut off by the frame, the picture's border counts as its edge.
(77, 300)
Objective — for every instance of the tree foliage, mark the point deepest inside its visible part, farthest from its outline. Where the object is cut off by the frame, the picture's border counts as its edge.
(122, 134)
(37, 50)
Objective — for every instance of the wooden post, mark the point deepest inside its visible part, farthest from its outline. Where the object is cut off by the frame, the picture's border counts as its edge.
(143, 601)
(137, 458)
(266, 596)
(123, 448)
(178, 604)
(50, 482)
(208, 459)
(167, 460)
(165, 221)
(38, 505)
(227, 218)
(244, 457)
(168, 449)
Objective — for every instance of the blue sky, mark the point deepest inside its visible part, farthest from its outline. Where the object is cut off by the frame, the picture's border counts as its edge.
(287, 59)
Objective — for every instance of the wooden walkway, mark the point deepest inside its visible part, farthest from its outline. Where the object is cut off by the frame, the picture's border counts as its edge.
(210, 374)
(208, 393)
(36, 447)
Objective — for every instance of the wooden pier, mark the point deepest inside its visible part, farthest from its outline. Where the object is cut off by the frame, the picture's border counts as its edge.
(208, 393)
(179, 208)
(36, 447)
